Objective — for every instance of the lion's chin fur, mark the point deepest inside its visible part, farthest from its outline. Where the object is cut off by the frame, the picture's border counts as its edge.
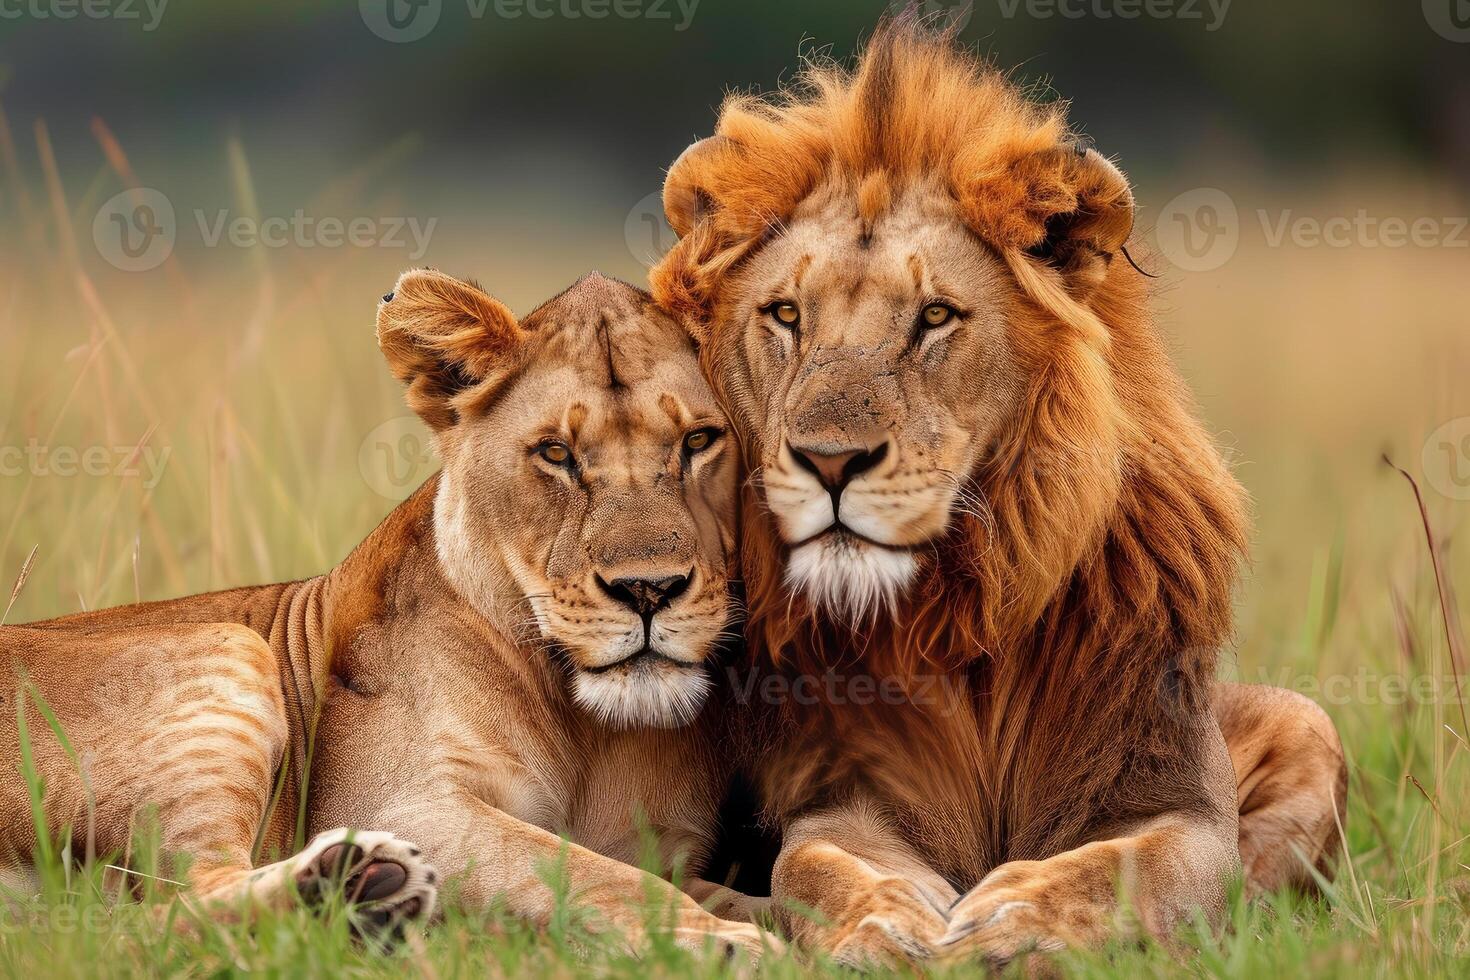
(850, 580)
(643, 695)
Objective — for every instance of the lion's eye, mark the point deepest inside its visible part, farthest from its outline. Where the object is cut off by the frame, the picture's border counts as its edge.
(700, 440)
(785, 314)
(936, 315)
(555, 453)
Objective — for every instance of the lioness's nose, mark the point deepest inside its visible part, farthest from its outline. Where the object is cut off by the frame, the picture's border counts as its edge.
(645, 596)
(837, 469)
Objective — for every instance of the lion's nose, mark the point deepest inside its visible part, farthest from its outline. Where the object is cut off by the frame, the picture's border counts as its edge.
(645, 596)
(837, 469)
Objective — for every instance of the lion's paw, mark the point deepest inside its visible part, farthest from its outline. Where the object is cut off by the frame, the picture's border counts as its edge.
(893, 924)
(1004, 917)
(386, 881)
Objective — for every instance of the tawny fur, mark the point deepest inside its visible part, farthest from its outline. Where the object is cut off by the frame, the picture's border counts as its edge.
(431, 700)
(1077, 543)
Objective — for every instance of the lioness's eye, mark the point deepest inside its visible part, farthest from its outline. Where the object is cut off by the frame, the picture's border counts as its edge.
(936, 315)
(785, 314)
(700, 440)
(555, 453)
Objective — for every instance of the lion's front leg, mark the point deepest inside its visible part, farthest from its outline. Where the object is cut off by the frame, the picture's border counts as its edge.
(876, 901)
(1148, 883)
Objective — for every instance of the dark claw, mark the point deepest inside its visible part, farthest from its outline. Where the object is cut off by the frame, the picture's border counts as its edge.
(373, 922)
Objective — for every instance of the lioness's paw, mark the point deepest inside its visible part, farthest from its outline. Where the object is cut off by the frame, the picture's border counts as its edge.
(731, 938)
(893, 924)
(1009, 914)
(387, 881)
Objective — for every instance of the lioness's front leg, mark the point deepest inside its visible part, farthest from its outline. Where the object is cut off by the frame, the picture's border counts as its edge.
(201, 765)
(876, 901)
(507, 860)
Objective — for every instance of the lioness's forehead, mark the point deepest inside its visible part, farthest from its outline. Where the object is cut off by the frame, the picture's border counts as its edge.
(608, 357)
(606, 328)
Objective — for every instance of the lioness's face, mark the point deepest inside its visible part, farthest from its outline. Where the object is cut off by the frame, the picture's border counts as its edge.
(872, 368)
(594, 482)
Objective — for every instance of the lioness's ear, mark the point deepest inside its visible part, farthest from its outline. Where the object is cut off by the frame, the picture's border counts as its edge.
(1066, 205)
(441, 336)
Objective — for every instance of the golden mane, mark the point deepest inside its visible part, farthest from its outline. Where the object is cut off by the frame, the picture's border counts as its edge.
(1112, 524)
(914, 107)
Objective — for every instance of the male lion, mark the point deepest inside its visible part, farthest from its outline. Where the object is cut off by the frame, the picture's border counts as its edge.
(586, 499)
(973, 463)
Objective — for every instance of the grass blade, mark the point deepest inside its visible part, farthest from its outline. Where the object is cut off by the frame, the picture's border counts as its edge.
(20, 583)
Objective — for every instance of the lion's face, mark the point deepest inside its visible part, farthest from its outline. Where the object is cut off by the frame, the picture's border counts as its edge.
(588, 498)
(872, 369)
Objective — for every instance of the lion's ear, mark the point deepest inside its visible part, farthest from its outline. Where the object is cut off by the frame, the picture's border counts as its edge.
(679, 282)
(441, 336)
(1065, 205)
(686, 188)
(720, 199)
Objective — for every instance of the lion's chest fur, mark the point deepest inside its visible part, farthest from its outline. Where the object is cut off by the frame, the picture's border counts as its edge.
(989, 764)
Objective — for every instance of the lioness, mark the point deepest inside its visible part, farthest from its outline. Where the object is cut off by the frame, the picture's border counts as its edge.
(973, 462)
(508, 657)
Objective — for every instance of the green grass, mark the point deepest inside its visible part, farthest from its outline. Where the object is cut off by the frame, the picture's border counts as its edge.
(258, 374)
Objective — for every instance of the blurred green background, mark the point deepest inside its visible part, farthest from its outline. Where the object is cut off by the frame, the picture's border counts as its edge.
(522, 142)
(531, 134)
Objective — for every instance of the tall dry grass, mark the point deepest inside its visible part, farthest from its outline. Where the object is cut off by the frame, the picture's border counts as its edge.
(243, 389)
